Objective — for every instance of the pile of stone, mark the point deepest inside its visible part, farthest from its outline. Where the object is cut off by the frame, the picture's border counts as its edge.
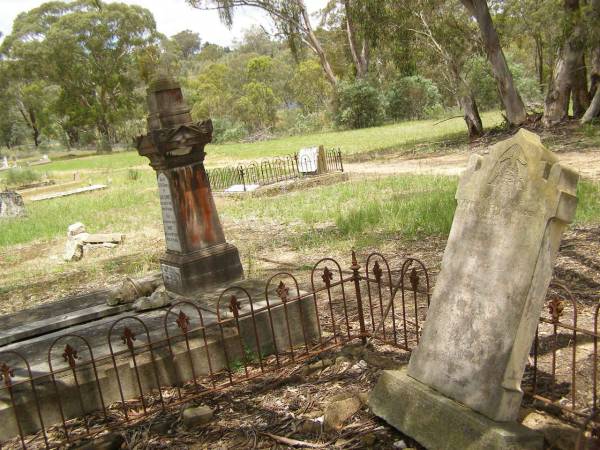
(145, 294)
(78, 238)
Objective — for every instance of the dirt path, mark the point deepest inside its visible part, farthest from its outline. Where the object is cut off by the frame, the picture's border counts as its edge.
(586, 162)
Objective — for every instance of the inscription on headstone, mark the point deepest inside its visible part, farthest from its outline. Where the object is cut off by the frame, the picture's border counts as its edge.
(168, 213)
(513, 205)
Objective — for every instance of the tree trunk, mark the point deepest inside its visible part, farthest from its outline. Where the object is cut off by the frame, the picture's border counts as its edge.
(539, 61)
(315, 45)
(556, 108)
(513, 104)
(30, 120)
(593, 110)
(580, 93)
(361, 61)
(472, 118)
(595, 71)
(104, 130)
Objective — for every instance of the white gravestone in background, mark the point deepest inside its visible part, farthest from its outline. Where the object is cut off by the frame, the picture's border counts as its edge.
(308, 160)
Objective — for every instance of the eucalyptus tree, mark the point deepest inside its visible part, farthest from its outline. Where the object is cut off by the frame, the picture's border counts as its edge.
(509, 95)
(449, 38)
(564, 84)
(358, 18)
(189, 43)
(89, 49)
(593, 26)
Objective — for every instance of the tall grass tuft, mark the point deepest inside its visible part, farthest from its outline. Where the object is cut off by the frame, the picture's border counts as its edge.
(18, 176)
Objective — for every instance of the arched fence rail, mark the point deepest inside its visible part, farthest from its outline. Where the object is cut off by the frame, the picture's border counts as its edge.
(274, 170)
(191, 353)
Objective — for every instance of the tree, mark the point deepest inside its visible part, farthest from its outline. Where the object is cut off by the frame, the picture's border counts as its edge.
(565, 81)
(291, 17)
(188, 42)
(450, 38)
(593, 18)
(89, 49)
(309, 87)
(513, 104)
(210, 95)
(257, 108)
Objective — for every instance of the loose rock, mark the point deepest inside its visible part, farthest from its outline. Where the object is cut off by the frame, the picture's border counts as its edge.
(194, 416)
(110, 441)
(340, 410)
(11, 204)
(559, 435)
(158, 299)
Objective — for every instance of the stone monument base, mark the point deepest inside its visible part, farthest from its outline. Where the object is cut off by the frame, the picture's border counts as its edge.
(186, 274)
(437, 422)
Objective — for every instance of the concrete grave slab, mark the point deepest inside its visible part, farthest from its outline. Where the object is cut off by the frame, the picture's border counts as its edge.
(440, 423)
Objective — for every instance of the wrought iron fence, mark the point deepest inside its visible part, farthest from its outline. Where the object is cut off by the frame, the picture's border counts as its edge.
(274, 170)
(192, 352)
(563, 366)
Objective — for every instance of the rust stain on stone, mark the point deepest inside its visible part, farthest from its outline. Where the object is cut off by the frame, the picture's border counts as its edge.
(195, 207)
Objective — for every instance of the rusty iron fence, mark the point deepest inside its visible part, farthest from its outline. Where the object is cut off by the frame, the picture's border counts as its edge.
(193, 351)
(563, 365)
(274, 170)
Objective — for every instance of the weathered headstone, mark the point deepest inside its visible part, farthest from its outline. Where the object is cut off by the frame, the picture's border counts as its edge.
(197, 253)
(4, 163)
(11, 204)
(513, 205)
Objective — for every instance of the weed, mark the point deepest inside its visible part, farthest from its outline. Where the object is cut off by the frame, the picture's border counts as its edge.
(18, 176)
(133, 174)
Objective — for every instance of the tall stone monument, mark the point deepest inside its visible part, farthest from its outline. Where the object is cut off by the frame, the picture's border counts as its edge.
(465, 375)
(197, 254)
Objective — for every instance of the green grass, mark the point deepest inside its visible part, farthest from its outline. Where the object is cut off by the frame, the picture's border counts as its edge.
(362, 211)
(124, 206)
(20, 176)
(588, 207)
(389, 137)
(409, 206)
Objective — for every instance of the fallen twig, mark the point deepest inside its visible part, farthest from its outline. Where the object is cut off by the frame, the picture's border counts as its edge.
(445, 120)
(294, 442)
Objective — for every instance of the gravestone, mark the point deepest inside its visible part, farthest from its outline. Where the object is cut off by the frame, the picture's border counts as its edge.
(311, 160)
(11, 204)
(197, 254)
(4, 163)
(513, 205)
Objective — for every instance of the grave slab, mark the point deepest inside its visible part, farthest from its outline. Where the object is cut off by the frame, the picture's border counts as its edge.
(267, 333)
(439, 423)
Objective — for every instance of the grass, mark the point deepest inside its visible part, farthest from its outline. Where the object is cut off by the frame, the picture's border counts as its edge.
(21, 176)
(588, 207)
(364, 211)
(123, 206)
(395, 136)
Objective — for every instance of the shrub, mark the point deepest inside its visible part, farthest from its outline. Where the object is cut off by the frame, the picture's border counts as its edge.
(413, 97)
(225, 130)
(18, 176)
(257, 108)
(357, 105)
(485, 88)
(296, 122)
